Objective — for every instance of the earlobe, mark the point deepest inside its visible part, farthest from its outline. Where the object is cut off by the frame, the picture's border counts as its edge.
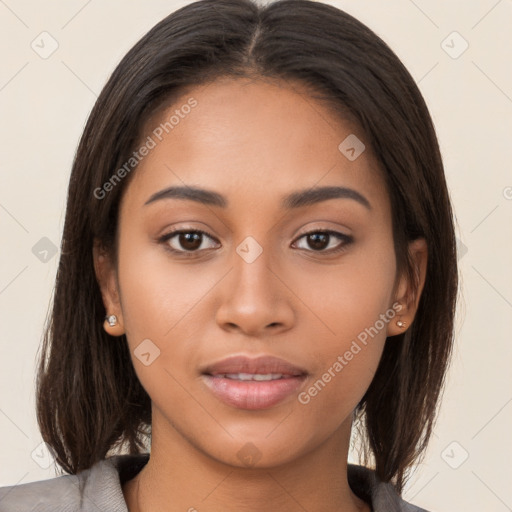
(410, 288)
(398, 324)
(107, 282)
(112, 326)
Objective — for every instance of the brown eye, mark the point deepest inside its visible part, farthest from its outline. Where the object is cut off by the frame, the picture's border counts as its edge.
(319, 241)
(186, 241)
(189, 241)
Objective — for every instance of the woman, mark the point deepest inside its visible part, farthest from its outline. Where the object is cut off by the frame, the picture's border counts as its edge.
(258, 255)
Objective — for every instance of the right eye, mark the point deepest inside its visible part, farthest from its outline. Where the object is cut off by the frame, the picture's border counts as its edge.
(185, 241)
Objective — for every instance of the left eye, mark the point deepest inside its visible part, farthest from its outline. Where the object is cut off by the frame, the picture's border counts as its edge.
(320, 241)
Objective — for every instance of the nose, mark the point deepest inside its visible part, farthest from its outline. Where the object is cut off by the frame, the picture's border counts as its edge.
(256, 300)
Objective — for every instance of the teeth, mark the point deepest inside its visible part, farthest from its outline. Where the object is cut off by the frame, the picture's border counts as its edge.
(253, 376)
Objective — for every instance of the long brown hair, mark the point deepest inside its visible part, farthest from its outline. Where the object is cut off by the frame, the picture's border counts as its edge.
(90, 403)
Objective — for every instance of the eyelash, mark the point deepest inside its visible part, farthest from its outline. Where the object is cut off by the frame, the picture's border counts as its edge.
(189, 254)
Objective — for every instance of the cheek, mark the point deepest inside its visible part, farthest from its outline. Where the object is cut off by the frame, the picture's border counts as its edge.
(349, 297)
(345, 361)
(156, 294)
(160, 303)
(351, 330)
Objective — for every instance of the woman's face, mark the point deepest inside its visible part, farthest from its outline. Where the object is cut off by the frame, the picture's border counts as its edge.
(255, 284)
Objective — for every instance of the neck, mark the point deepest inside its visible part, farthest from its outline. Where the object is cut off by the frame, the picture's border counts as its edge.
(181, 477)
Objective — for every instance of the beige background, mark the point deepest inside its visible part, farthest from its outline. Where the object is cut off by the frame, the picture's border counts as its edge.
(44, 104)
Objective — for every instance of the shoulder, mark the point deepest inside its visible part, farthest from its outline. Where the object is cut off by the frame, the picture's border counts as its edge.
(382, 495)
(57, 494)
(97, 488)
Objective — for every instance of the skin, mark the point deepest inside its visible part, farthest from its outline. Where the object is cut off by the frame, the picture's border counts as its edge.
(253, 141)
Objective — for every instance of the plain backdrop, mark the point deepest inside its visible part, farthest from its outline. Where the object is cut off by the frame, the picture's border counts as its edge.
(44, 103)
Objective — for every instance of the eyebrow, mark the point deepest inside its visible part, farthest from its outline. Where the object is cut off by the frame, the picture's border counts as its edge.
(294, 200)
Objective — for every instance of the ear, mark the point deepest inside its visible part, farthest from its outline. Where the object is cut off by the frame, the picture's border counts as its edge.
(106, 276)
(409, 289)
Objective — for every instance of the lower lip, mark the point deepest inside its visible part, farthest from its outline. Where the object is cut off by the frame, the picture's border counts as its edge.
(251, 394)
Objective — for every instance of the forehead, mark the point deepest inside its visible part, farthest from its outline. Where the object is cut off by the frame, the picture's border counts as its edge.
(253, 139)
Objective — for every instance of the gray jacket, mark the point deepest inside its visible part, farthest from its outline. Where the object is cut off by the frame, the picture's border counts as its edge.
(98, 489)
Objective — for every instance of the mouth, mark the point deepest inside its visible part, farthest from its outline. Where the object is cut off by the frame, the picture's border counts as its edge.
(253, 383)
(253, 376)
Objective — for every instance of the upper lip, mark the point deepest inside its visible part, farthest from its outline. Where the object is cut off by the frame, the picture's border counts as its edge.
(255, 365)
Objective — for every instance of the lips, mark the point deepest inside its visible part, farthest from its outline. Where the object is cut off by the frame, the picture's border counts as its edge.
(253, 383)
(262, 365)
